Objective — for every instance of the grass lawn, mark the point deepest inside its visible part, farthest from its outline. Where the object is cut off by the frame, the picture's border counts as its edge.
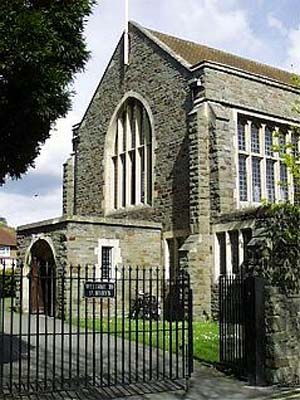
(206, 334)
(206, 341)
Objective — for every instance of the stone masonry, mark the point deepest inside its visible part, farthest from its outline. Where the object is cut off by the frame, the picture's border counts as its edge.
(282, 337)
(193, 112)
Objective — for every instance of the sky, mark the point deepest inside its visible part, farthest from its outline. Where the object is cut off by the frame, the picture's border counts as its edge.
(264, 30)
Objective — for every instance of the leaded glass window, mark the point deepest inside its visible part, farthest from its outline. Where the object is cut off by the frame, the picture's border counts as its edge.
(242, 135)
(132, 158)
(255, 144)
(256, 179)
(283, 181)
(106, 262)
(262, 174)
(270, 180)
(268, 141)
(243, 178)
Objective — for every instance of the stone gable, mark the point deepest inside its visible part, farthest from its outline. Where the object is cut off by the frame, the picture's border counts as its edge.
(163, 83)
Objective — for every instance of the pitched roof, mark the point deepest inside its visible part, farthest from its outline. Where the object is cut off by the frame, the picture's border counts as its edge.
(7, 236)
(194, 54)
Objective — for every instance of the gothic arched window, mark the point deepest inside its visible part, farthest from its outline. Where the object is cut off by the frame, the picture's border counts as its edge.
(132, 156)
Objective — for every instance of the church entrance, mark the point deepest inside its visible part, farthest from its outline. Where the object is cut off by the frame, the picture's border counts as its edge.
(41, 277)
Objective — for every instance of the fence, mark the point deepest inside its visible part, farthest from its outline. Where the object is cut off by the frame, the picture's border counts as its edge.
(242, 326)
(65, 328)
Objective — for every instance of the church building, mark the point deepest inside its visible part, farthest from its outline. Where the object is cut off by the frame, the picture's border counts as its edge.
(172, 156)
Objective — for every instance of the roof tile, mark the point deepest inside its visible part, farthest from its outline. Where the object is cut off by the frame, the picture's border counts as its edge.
(7, 236)
(195, 53)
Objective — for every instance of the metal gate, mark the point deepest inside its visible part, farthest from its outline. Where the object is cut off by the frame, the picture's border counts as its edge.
(242, 326)
(133, 328)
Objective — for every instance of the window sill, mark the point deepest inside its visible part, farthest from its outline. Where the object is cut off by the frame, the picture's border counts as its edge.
(120, 211)
(249, 204)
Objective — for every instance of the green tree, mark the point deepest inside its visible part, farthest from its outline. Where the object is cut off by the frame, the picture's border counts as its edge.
(289, 151)
(41, 48)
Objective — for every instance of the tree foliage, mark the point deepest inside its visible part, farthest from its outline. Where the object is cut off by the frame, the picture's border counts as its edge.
(275, 252)
(41, 48)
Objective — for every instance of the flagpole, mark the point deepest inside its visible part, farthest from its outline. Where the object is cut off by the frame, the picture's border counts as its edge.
(126, 35)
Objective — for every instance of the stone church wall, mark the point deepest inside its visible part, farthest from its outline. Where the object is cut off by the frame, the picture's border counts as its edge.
(140, 244)
(163, 83)
(227, 93)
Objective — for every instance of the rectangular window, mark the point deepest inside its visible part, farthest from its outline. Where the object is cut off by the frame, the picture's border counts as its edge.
(106, 262)
(133, 127)
(242, 178)
(4, 251)
(242, 136)
(115, 163)
(283, 182)
(123, 164)
(132, 178)
(270, 180)
(149, 174)
(256, 179)
(295, 145)
(222, 246)
(142, 169)
(234, 243)
(268, 141)
(124, 125)
(255, 145)
(282, 143)
(259, 165)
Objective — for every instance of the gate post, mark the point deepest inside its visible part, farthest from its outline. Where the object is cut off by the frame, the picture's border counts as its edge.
(254, 309)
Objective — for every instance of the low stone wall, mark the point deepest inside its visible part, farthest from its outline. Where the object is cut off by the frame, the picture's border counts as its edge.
(282, 316)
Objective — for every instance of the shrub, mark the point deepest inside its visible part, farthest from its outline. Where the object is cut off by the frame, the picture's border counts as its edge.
(276, 255)
(7, 283)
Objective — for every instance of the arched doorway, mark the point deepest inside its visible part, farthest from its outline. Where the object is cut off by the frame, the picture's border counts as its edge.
(42, 279)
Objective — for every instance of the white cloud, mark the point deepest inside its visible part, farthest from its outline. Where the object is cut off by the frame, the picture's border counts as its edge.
(223, 25)
(293, 50)
(275, 23)
(57, 148)
(22, 209)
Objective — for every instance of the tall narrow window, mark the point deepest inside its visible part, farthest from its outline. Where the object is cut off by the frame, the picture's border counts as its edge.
(222, 245)
(268, 141)
(242, 135)
(242, 177)
(283, 181)
(132, 157)
(255, 143)
(106, 265)
(234, 243)
(256, 179)
(270, 180)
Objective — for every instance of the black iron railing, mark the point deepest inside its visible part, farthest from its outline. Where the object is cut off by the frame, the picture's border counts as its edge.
(65, 327)
(232, 323)
(242, 326)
